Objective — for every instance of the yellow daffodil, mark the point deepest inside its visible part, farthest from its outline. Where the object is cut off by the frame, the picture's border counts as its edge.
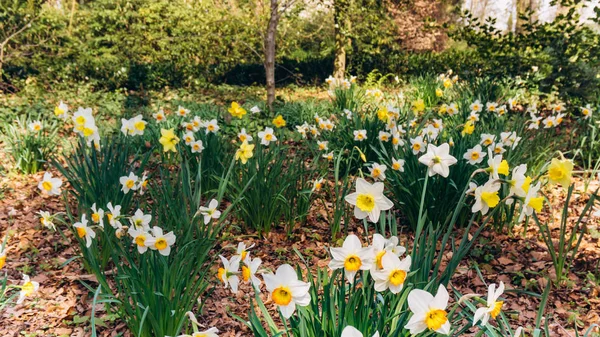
(560, 171)
(279, 122)
(245, 152)
(168, 140)
(237, 110)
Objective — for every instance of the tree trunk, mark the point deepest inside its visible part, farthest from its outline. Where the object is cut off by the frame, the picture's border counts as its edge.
(342, 24)
(270, 52)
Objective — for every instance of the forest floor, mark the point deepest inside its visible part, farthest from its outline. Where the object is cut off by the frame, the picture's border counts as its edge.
(63, 305)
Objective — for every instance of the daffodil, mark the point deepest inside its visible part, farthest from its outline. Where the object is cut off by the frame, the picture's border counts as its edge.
(491, 106)
(418, 106)
(487, 139)
(140, 238)
(378, 171)
(560, 171)
(2, 256)
(368, 200)
(47, 220)
(549, 122)
(159, 116)
(351, 331)
(210, 212)
(196, 123)
(393, 273)
(512, 103)
(169, 140)
(519, 181)
(243, 250)
(249, 270)
(323, 145)
(212, 126)
(431, 132)
(475, 155)
(243, 136)
(352, 257)
(279, 122)
(473, 117)
(452, 109)
(468, 128)
(182, 112)
(317, 185)
(493, 307)
(134, 126)
(113, 215)
(439, 92)
(35, 126)
(476, 106)
(286, 290)
(97, 216)
(438, 159)
(496, 165)
(28, 288)
(61, 110)
(398, 165)
(129, 182)
(84, 123)
(328, 156)
(84, 232)
(139, 220)
(532, 202)
(429, 312)
(382, 246)
(188, 138)
(255, 109)
(586, 111)
(348, 114)
(212, 332)
(236, 110)
(228, 274)
(417, 145)
(161, 242)
(360, 135)
(245, 152)
(50, 185)
(486, 197)
(143, 183)
(197, 146)
(384, 136)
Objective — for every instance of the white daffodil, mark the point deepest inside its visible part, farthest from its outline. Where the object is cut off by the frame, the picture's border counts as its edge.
(438, 159)
(196, 123)
(129, 182)
(197, 146)
(62, 110)
(212, 126)
(188, 138)
(473, 117)
(549, 122)
(498, 148)
(487, 139)
(242, 249)
(161, 242)
(475, 155)
(317, 185)
(491, 106)
(493, 307)
(360, 135)
(49, 185)
(378, 171)
(532, 202)
(243, 136)
(97, 216)
(512, 103)
(113, 215)
(382, 246)
(534, 122)
(429, 312)
(27, 289)
(35, 126)
(519, 181)
(267, 136)
(323, 145)
(352, 257)
(431, 133)
(182, 112)
(249, 270)
(398, 165)
(397, 140)
(368, 200)
(134, 126)
(384, 136)
(328, 156)
(228, 274)
(84, 232)
(140, 238)
(139, 220)
(255, 109)
(286, 290)
(393, 273)
(496, 165)
(417, 145)
(210, 212)
(348, 114)
(501, 110)
(47, 220)
(587, 111)
(476, 106)
(486, 197)
(351, 331)
(159, 116)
